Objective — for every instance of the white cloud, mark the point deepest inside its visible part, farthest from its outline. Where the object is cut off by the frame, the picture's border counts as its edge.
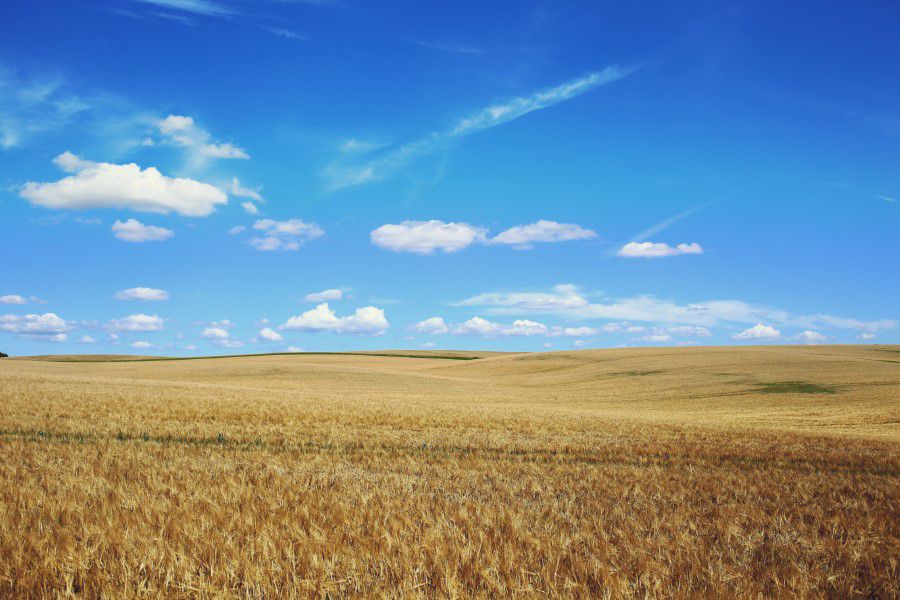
(485, 328)
(575, 331)
(285, 33)
(249, 208)
(811, 337)
(175, 124)
(427, 345)
(13, 299)
(518, 107)
(182, 131)
(324, 296)
(623, 328)
(657, 250)
(368, 320)
(653, 310)
(142, 293)
(215, 333)
(758, 332)
(269, 334)
(563, 297)
(223, 151)
(48, 326)
(86, 339)
(525, 327)
(432, 325)
(137, 322)
(236, 230)
(293, 349)
(34, 104)
(228, 343)
(284, 235)
(219, 335)
(522, 236)
(424, 237)
(133, 230)
(656, 337)
(235, 188)
(688, 331)
(107, 185)
(141, 345)
(867, 336)
(392, 161)
(477, 326)
(355, 146)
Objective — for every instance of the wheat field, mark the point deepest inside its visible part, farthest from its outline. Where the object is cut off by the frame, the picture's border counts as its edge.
(752, 472)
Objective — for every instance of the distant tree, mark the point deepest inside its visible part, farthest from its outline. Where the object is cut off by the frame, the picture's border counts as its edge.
(2, 355)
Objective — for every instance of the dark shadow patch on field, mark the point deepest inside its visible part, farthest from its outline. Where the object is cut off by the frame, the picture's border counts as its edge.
(625, 457)
(793, 387)
(636, 373)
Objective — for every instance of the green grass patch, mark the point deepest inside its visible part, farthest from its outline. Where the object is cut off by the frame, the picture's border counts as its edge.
(637, 373)
(794, 387)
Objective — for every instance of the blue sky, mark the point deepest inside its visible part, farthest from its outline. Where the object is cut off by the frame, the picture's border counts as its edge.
(214, 176)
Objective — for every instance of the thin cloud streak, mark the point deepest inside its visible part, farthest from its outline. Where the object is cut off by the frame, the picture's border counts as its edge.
(207, 8)
(341, 176)
(663, 225)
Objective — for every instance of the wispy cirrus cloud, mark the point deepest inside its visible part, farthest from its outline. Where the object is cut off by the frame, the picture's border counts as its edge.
(567, 301)
(450, 47)
(341, 175)
(208, 8)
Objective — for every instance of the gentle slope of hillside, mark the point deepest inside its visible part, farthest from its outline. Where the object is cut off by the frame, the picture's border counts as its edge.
(677, 472)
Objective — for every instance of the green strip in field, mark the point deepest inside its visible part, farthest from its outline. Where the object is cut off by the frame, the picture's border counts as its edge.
(794, 387)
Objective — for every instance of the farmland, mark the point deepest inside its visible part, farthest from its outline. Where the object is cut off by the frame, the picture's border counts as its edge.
(671, 472)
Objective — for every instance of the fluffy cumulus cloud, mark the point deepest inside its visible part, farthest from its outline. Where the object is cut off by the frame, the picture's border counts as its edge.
(523, 236)
(249, 208)
(367, 320)
(134, 231)
(269, 334)
(107, 185)
(426, 237)
(182, 131)
(87, 339)
(141, 345)
(284, 235)
(137, 322)
(142, 293)
(13, 299)
(219, 335)
(47, 326)
(433, 325)
(325, 295)
(758, 332)
(657, 250)
(479, 326)
(811, 337)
